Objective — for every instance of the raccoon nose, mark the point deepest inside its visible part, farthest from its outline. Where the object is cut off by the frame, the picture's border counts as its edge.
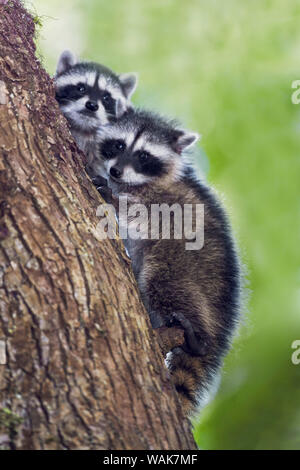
(115, 172)
(91, 105)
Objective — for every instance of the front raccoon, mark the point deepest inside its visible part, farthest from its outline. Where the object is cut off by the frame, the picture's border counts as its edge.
(90, 95)
(196, 288)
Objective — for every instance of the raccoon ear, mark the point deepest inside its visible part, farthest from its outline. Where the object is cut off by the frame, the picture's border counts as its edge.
(185, 139)
(66, 60)
(121, 108)
(129, 83)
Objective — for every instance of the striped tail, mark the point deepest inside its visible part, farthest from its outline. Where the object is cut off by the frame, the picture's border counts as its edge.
(193, 377)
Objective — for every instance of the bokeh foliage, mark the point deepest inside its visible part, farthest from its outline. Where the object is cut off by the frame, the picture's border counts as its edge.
(225, 69)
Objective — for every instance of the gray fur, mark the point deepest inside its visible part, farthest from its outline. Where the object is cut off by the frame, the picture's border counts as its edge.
(200, 289)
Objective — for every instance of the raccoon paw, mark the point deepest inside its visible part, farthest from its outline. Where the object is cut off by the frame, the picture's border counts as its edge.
(99, 181)
(193, 345)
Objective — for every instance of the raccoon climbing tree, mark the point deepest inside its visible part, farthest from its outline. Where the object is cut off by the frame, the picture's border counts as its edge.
(80, 366)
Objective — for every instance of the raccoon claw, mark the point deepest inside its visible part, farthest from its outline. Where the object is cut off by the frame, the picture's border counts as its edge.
(106, 193)
(192, 344)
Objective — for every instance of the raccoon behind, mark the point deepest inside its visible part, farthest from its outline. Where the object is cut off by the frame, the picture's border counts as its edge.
(90, 95)
(197, 289)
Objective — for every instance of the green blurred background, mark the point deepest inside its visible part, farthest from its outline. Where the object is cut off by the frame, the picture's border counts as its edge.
(225, 69)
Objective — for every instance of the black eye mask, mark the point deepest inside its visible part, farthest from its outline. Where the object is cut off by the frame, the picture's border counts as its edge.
(112, 148)
(75, 92)
(148, 164)
(108, 102)
(71, 93)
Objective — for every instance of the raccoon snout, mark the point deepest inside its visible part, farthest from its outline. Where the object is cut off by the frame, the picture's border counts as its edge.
(91, 106)
(115, 173)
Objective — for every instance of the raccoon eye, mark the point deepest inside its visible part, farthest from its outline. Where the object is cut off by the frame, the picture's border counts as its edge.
(143, 156)
(120, 145)
(106, 97)
(81, 88)
(112, 148)
(108, 102)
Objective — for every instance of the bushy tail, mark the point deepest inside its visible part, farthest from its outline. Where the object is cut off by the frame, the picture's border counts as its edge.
(193, 377)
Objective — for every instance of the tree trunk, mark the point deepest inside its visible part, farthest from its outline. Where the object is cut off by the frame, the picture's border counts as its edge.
(80, 367)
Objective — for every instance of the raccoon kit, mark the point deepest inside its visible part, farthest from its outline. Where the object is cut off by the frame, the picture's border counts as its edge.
(90, 95)
(198, 289)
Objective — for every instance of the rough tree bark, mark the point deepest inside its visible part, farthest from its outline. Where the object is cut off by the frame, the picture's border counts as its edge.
(80, 366)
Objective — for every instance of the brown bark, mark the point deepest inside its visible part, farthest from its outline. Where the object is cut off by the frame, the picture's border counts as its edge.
(80, 366)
